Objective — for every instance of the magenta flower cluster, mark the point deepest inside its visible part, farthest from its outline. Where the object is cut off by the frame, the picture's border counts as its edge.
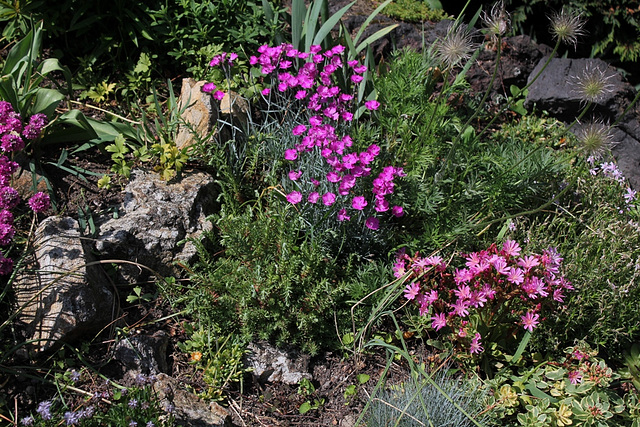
(496, 286)
(13, 132)
(314, 84)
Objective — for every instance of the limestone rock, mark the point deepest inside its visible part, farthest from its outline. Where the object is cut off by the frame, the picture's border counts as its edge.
(270, 364)
(64, 294)
(157, 217)
(199, 111)
(188, 409)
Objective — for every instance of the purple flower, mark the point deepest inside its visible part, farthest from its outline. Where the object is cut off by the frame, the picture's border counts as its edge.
(6, 217)
(39, 202)
(9, 197)
(27, 421)
(476, 346)
(44, 409)
(530, 321)
(6, 265)
(218, 95)
(11, 142)
(412, 290)
(6, 234)
(397, 211)
(71, 418)
(313, 197)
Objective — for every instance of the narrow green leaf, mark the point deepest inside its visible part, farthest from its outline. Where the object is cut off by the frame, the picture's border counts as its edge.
(368, 21)
(521, 347)
(375, 36)
(326, 28)
(298, 10)
(311, 21)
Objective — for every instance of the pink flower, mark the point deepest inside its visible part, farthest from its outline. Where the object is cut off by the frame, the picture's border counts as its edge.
(359, 203)
(412, 290)
(342, 215)
(511, 248)
(208, 87)
(299, 130)
(397, 211)
(294, 175)
(333, 177)
(313, 197)
(357, 79)
(439, 321)
(372, 104)
(290, 154)
(266, 91)
(476, 346)
(372, 223)
(575, 377)
(328, 199)
(218, 95)
(530, 321)
(294, 197)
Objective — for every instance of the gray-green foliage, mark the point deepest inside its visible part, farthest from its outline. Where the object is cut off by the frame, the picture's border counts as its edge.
(417, 403)
(597, 231)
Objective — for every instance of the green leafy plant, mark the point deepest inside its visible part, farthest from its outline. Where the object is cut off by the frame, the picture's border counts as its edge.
(577, 389)
(219, 359)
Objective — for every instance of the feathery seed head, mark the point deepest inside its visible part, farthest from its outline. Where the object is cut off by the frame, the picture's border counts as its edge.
(567, 26)
(498, 21)
(456, 47)
(592, 85)
(596, 138)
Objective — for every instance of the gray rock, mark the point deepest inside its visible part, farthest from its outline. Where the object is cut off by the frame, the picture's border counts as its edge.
(270, 364)
(188, 409)
(627, 150)
(198, 110)
(64, 292)
(554, 90)
(143, 354)
(157, 216)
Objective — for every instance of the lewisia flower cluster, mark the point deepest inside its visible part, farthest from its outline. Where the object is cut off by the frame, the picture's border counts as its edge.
(13, 133)
(314, 86)
(498, 285)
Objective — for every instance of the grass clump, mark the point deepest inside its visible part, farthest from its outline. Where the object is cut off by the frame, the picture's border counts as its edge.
(414, 11)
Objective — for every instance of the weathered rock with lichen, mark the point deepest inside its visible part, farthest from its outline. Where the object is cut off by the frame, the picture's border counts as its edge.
(157, 216)
(63, 293)
(199, 111)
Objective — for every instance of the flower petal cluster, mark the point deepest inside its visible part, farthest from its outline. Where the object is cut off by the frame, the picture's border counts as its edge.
(311, 79)
(567, 26)
(499, 283)
(13, 133)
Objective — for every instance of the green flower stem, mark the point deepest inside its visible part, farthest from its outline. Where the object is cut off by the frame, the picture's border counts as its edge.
(626, 110)
(527, 86)
(456, 141)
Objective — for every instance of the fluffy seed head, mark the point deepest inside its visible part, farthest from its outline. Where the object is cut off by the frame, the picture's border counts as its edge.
(456, 47)
(593, 85)
(567, 26)
(596, 138)
(498, 21)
